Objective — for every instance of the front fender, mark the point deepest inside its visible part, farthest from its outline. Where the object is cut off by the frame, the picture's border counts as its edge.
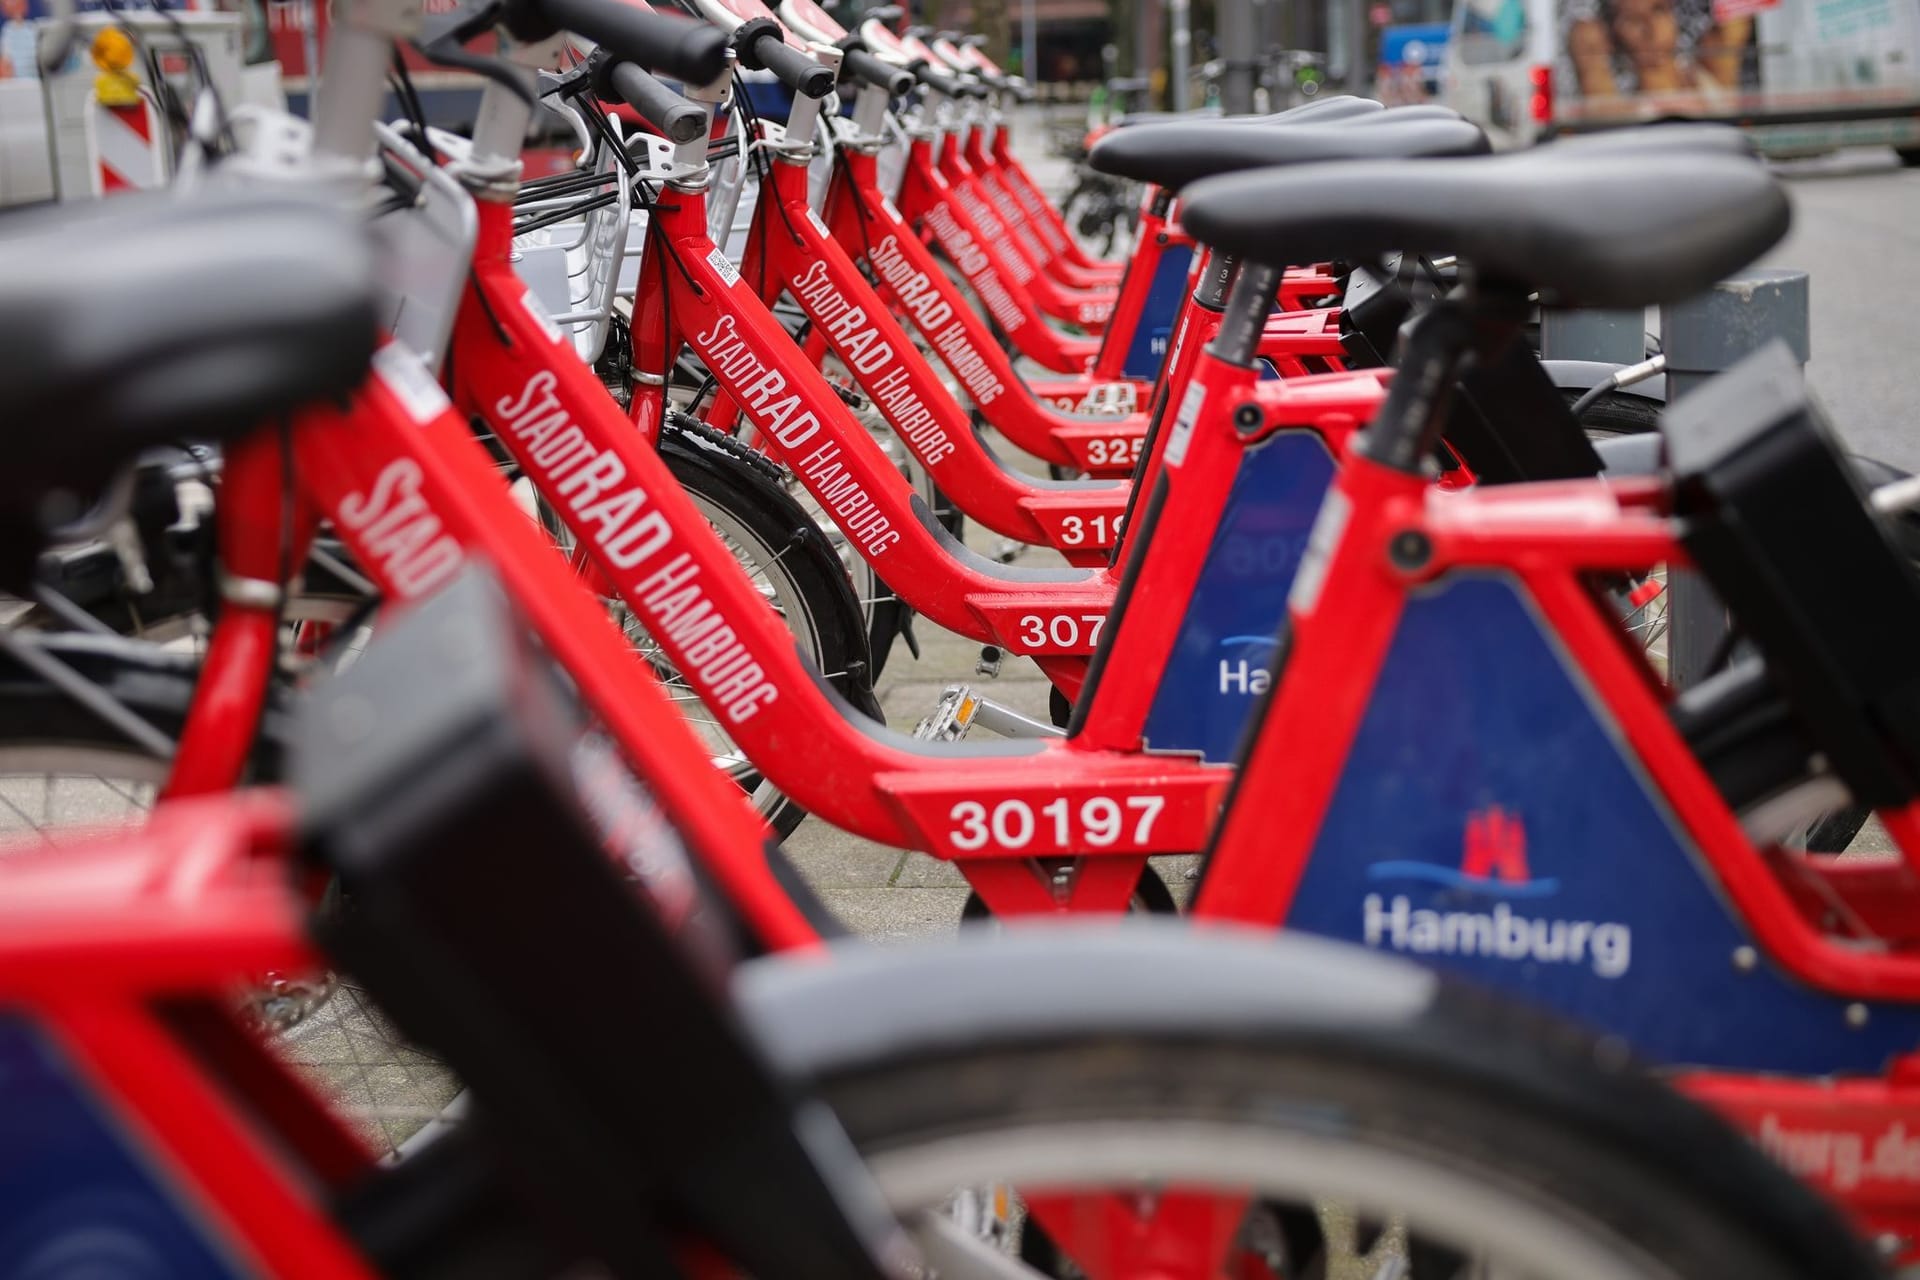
(1071, 979)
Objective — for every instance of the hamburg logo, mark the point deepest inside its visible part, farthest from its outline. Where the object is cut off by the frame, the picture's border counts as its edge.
(1493, 863)
(1248, 674)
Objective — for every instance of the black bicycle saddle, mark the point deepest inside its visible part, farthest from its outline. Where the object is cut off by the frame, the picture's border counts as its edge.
(149, 319)
(1617, 229)
(1173, 155)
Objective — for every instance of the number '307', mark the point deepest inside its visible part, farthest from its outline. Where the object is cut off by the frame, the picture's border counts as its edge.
(1096, 823)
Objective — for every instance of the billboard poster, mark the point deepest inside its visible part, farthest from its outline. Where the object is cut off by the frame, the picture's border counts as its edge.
(1645, 58)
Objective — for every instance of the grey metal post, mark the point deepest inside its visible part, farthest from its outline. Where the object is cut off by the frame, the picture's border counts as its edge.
(1616, 337)
(1180, 12)
(1030, 41)
(1235, 20)
(1701, 337)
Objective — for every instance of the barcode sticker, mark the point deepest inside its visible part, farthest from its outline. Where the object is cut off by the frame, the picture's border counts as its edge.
(1182, 434)
(721, 263)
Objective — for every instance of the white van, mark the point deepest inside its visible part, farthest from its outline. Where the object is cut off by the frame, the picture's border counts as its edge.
(1801, 76)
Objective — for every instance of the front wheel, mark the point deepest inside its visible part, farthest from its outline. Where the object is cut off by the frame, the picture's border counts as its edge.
(794, 566)
(1337, 1155)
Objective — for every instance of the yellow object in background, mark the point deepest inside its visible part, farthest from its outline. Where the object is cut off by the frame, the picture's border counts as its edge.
(113, 53)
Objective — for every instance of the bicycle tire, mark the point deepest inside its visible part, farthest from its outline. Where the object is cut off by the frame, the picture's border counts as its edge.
(1631, 1169)
(834, 632)
(41, 722)
(154, 683)
(1617, 413)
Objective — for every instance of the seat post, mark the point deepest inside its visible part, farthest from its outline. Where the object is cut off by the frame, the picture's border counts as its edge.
(1407, 429)
(1251, 298)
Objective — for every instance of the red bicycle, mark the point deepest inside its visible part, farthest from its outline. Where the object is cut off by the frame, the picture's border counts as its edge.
(1758, 936)
(1196, 1125)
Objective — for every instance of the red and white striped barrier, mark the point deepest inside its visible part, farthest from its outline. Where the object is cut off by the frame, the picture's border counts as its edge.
(128, 145)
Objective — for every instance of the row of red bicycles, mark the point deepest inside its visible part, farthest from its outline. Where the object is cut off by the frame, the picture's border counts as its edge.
(411, 646)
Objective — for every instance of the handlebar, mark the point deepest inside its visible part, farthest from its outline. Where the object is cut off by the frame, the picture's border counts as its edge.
(863, 64)
(885, 15)
(677, 119)
(761, 45)
(673, 45)
(938, 81)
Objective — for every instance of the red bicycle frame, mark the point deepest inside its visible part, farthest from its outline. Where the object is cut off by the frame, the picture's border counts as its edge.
(413, 494)
(788, 252)
(913, 282)
(927, 198)
(1014, 244)
(1550, 539)
(692, 295)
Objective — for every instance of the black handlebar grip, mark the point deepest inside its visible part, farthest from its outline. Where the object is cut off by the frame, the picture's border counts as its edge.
(858, 62)
(938, 81)
(677, 119)
(668, 43)
(761, 45)
(886, 15)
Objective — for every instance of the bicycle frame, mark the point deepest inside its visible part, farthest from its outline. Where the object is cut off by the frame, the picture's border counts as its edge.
(414, 495)
(917, 287)
(788, 252)
(1014, 244)
(927, 197)
(154, 1106)
(1409, 591)
(107, 949)
(1162, 269)
(911, 278)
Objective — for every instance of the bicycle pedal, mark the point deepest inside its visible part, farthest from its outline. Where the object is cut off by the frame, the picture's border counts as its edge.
(991, 656)
(1111, 399)
(950, 718)
(1008, 551)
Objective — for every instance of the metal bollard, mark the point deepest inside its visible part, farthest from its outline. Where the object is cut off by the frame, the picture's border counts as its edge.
(1613, 337)
(1701, 337)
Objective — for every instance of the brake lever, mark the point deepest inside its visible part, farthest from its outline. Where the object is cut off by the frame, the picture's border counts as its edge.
(443, 38)
(574, 80)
